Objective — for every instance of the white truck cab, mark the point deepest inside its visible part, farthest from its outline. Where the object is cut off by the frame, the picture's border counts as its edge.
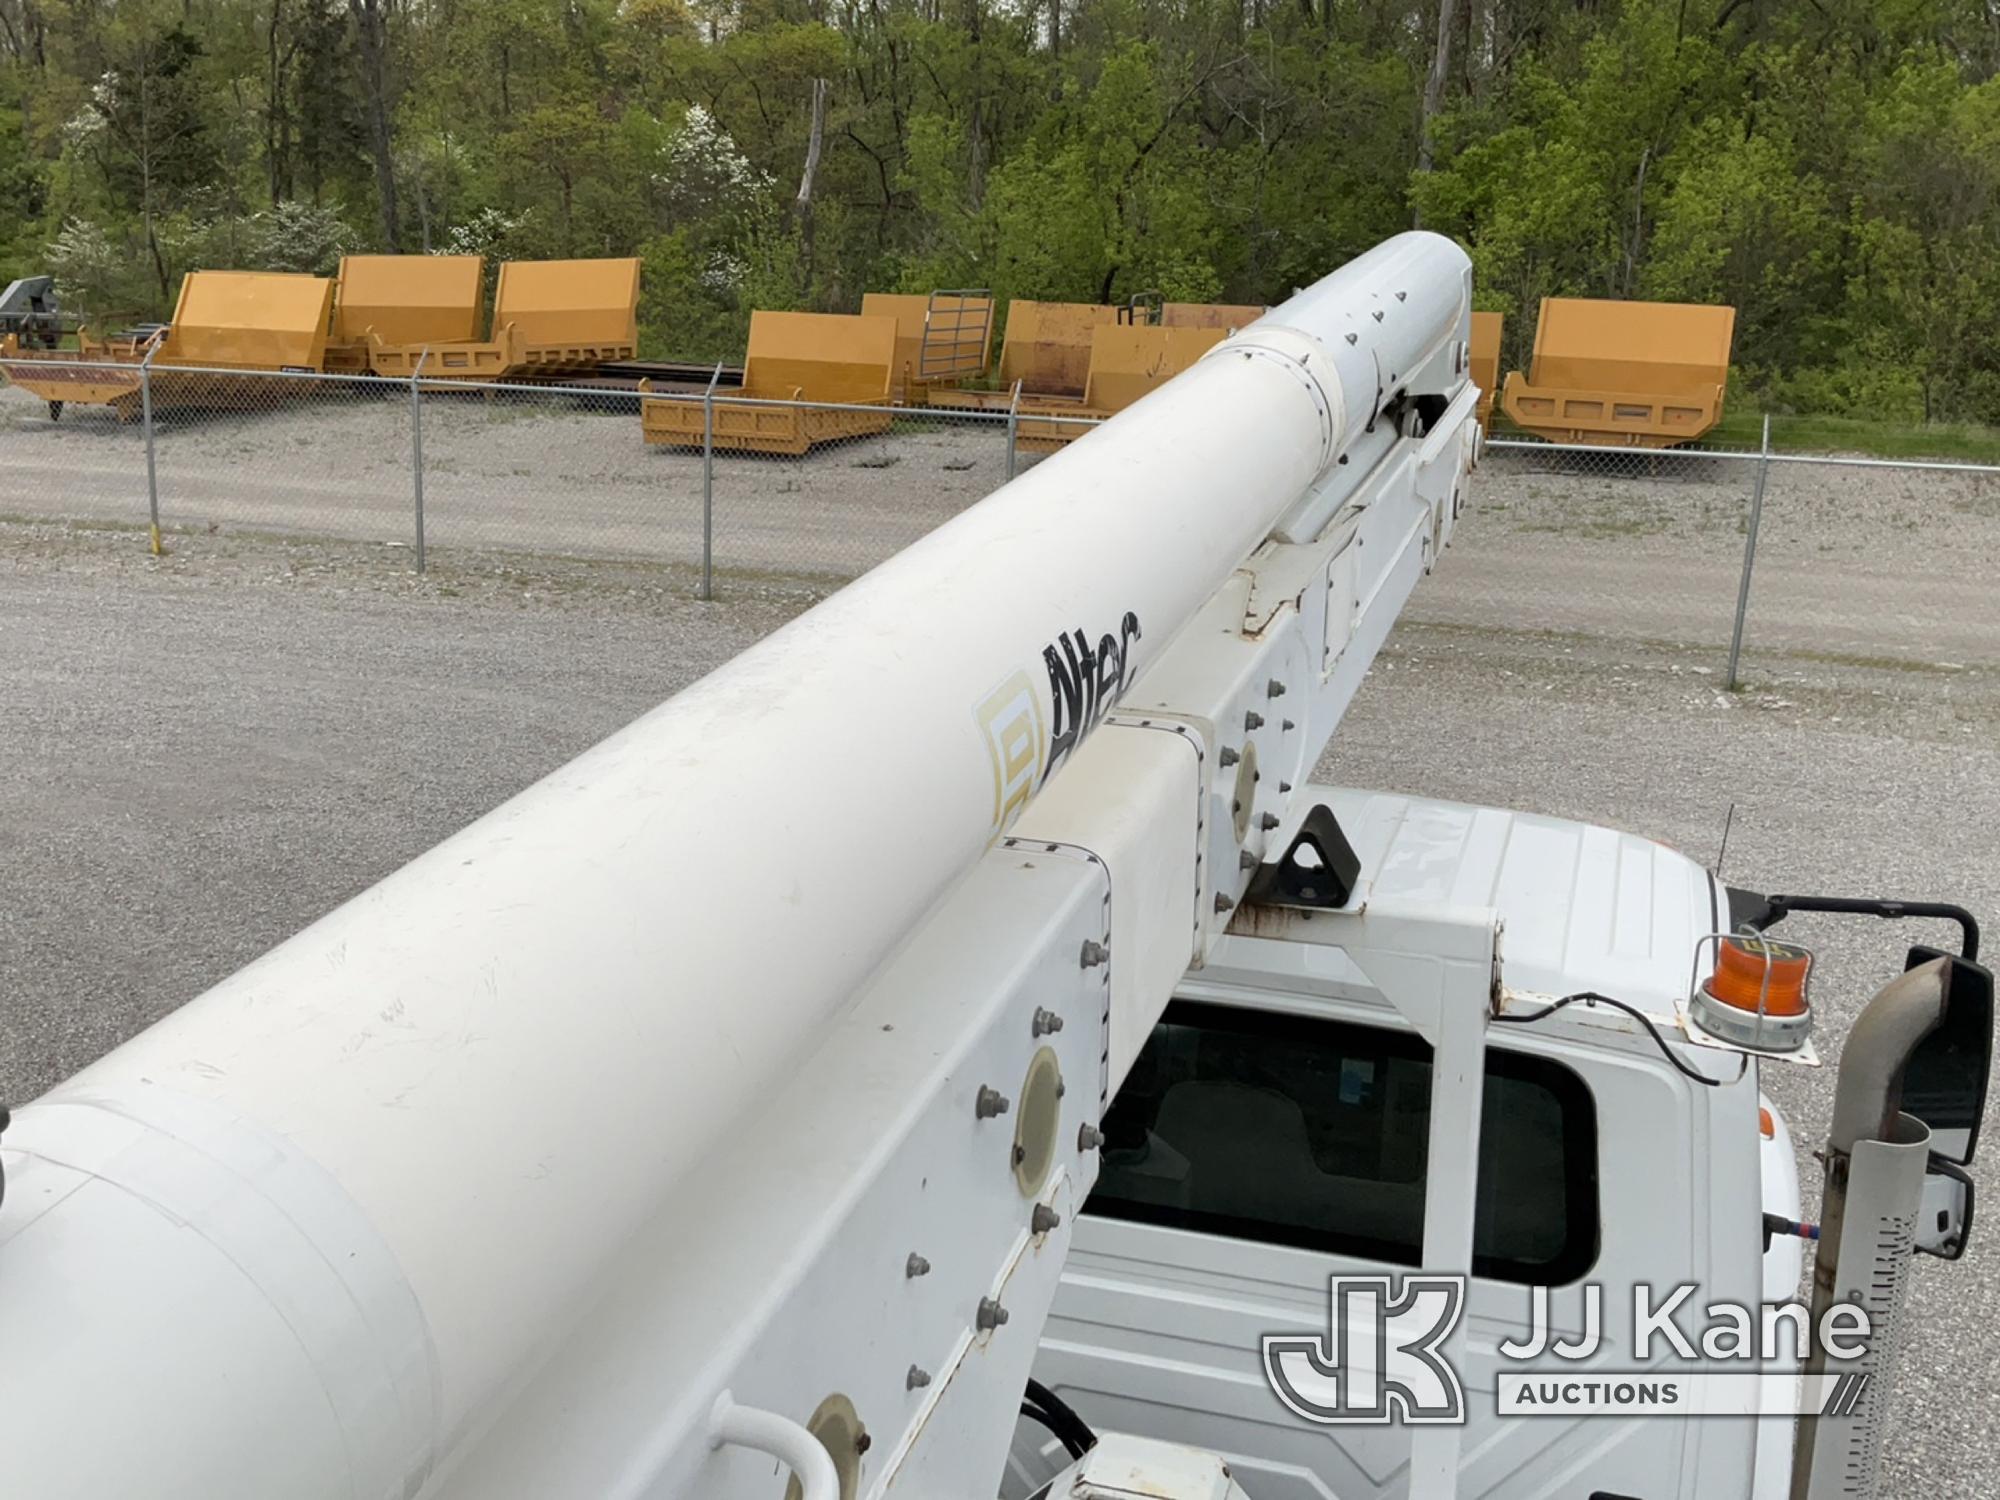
(1273, 1134)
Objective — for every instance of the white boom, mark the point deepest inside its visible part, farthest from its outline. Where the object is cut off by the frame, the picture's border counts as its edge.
(549, 1163)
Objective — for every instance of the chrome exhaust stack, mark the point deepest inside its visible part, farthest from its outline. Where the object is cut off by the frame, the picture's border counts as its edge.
(1876, 1157)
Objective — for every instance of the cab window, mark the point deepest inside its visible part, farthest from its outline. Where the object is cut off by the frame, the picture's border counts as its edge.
(1301, 1131)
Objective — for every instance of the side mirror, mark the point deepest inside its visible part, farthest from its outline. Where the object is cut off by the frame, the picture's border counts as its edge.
(1944, 1084)
(1945, 1087)
(1944, 1219)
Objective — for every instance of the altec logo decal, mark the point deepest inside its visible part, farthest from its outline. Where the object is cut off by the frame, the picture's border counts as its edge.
(1084, 681)
(1024, 746)
(1385, 1358)
(1010, 721)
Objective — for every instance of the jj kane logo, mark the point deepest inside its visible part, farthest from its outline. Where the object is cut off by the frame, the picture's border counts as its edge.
(1386, 1356)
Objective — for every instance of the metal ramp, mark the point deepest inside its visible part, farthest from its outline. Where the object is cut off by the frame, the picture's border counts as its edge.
(941, 339)
(958, 335)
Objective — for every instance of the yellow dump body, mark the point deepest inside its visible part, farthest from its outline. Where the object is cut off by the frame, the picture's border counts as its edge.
(836, 358)
(1486, 327)
(1623, 374)
(225, 320)
(1127, 361)
(556, 302)
(1227, 316)
(409, 299)
(941, 339)
(1047, 349)
(549, 316)
(797, 356)
(250, 320)
(94, 374)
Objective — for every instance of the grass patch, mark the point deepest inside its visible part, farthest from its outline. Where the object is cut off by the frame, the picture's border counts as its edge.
(1951, 442)
(1946, 442)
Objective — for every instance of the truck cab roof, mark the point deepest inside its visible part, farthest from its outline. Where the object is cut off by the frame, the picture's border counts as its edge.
(1582, 907)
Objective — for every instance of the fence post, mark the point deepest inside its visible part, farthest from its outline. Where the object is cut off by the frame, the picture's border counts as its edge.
(1749, 553)
(708, 486)
(1013, 425)
(146, 419)
(417, 448)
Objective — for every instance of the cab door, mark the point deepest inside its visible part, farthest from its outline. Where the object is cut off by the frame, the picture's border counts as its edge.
(1255, 1151)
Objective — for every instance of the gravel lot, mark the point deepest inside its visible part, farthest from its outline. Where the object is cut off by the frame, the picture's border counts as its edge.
(1853, 563)
(199, 754)
(537, 472)
(1853, 780)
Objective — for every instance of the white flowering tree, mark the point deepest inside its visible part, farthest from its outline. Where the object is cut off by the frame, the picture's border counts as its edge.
(89, 269)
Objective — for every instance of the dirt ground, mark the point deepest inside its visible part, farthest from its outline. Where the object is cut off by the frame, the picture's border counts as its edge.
(200, 753)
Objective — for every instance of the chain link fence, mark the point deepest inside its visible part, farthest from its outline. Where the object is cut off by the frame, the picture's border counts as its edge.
(1747, 562)
(712, 486)
(1753, 560)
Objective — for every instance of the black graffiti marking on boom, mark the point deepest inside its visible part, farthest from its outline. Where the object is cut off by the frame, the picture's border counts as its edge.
(1084, 683)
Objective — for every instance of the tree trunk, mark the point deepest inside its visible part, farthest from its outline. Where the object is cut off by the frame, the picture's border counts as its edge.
(277, 122)
(368, 24)
(146, 173)
(1637, 242)
(975, 170)
(803, 206)
(1434, 84)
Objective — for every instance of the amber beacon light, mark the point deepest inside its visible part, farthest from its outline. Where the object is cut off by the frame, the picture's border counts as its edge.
(1756, 997)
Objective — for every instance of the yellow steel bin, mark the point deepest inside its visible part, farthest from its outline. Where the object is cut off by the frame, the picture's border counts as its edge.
(1623, 374)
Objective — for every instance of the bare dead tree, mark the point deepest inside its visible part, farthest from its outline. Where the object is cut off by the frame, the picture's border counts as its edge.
(803, 205)
(1434, 84)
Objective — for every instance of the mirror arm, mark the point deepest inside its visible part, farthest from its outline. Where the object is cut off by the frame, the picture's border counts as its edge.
(1767, 911)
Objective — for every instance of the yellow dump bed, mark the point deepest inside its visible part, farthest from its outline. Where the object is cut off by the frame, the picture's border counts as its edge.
(409, 299)
(941, 338)
(250, 320)
(549, 317)
(228, 326)
(1047, 349)
(1486, 330)
(1127, 362)
(797, 356)
(1626, 374)
(93, 374)
(574, 302)
(837, 359)
(1224, 315)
